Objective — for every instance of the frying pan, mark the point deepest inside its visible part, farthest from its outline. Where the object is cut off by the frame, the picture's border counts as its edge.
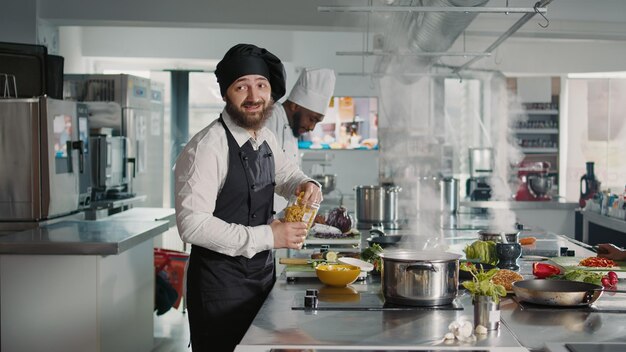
(558, 292)
(384, 241)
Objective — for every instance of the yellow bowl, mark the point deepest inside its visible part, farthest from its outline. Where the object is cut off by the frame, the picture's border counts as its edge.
(339, 275)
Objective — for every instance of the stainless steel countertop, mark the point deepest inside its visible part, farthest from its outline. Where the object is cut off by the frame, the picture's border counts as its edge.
(278, 326)
(145, 214)
(559, 204)
(81, 237)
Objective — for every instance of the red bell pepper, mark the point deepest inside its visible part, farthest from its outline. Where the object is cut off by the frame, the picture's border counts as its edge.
(544, 270)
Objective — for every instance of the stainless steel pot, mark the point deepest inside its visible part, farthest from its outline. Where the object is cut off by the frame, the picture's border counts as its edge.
(420, 278)
(377, 205)
(328, 182)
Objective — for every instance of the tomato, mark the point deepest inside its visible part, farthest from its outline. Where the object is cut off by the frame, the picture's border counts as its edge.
(544, 270)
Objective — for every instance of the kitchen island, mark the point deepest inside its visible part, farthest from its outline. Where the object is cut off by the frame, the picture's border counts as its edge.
(557, 216)
(363, 323)
(78, 286)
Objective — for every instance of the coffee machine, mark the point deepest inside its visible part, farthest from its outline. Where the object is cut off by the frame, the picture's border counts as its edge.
(481, 169)
(534, 181)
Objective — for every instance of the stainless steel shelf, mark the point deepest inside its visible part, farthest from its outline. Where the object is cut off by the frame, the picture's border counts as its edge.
(536, 112)
(540, 150)
(536, 130)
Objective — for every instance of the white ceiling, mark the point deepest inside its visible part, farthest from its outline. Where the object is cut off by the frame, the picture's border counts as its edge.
(568, 18)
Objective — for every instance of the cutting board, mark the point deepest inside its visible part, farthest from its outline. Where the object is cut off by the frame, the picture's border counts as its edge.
(572, 263)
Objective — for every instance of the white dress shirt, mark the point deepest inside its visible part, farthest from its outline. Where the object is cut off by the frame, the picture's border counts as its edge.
(200, 173)
(279, 125)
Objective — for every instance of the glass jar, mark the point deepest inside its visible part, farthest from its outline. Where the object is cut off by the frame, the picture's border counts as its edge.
(301, 211)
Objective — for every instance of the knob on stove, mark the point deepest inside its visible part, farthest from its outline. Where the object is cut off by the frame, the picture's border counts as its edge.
(310, 301)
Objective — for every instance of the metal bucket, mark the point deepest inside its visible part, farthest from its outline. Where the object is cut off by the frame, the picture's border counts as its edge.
(377, 205)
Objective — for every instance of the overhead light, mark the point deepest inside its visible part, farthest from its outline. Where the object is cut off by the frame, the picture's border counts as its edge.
(383, 53)
(619, 74)
(505, 10)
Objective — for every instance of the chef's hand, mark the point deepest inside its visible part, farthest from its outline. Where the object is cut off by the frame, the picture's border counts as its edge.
(288, 234)
(610, 251)
(312, 192)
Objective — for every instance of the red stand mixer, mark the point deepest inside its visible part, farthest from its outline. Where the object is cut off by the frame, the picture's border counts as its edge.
(534, 181)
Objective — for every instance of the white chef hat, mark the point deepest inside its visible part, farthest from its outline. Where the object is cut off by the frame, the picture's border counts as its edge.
(314, 89)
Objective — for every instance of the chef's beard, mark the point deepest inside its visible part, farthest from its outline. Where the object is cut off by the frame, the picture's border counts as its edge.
(253, 121)
(295, 123)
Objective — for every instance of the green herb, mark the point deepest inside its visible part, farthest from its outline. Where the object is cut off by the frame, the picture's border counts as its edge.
(481, 284)
(372, 255)
(580, 275)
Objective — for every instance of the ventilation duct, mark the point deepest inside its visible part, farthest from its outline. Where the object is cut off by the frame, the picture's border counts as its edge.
(423, 32)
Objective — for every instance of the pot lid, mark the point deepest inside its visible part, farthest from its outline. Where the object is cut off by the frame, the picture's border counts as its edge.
(413, 256)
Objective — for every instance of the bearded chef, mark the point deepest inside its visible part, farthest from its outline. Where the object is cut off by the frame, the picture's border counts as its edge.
(305, 107)
(226, 177)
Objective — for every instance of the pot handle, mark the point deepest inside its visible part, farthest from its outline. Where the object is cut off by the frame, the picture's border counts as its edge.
(421, 266)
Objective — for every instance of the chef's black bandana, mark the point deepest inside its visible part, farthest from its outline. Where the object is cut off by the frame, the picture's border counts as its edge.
(248, 59)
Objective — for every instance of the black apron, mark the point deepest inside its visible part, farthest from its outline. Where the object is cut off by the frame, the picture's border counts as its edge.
(224, 293)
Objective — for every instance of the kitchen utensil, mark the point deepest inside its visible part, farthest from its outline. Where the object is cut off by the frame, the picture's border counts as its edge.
(420, 278)
(535, 182)
(327, 181)
(508, 253)
(540, 185)
(365, 266)
(449, 195)
(297, 261)
(377, 205)
(339, 275)
(495, 235)
(486, 312)
(558, 292)
(395, 241)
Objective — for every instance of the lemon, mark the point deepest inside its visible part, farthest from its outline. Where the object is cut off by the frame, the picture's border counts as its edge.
(330, 256)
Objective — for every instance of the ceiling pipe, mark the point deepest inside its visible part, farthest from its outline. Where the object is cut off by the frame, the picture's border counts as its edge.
(427, 32)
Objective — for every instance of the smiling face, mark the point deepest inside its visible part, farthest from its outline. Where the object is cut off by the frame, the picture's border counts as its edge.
(304, 120)
(249, 101)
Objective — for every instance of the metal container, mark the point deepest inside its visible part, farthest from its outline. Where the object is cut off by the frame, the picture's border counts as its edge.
(486, 312)
(494, 235)
(420, 278)
(449, 195)
(327, 181)
(481, 162)
(377, 205)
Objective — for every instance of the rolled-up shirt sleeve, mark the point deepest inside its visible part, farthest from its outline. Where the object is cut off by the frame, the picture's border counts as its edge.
(199, 173)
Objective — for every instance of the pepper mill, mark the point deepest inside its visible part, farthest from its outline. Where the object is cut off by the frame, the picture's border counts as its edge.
(508, 253)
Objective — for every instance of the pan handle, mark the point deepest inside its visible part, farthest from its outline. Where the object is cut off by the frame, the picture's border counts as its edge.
(421, 266)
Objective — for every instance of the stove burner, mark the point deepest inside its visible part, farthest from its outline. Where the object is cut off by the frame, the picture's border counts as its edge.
(363, 302)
